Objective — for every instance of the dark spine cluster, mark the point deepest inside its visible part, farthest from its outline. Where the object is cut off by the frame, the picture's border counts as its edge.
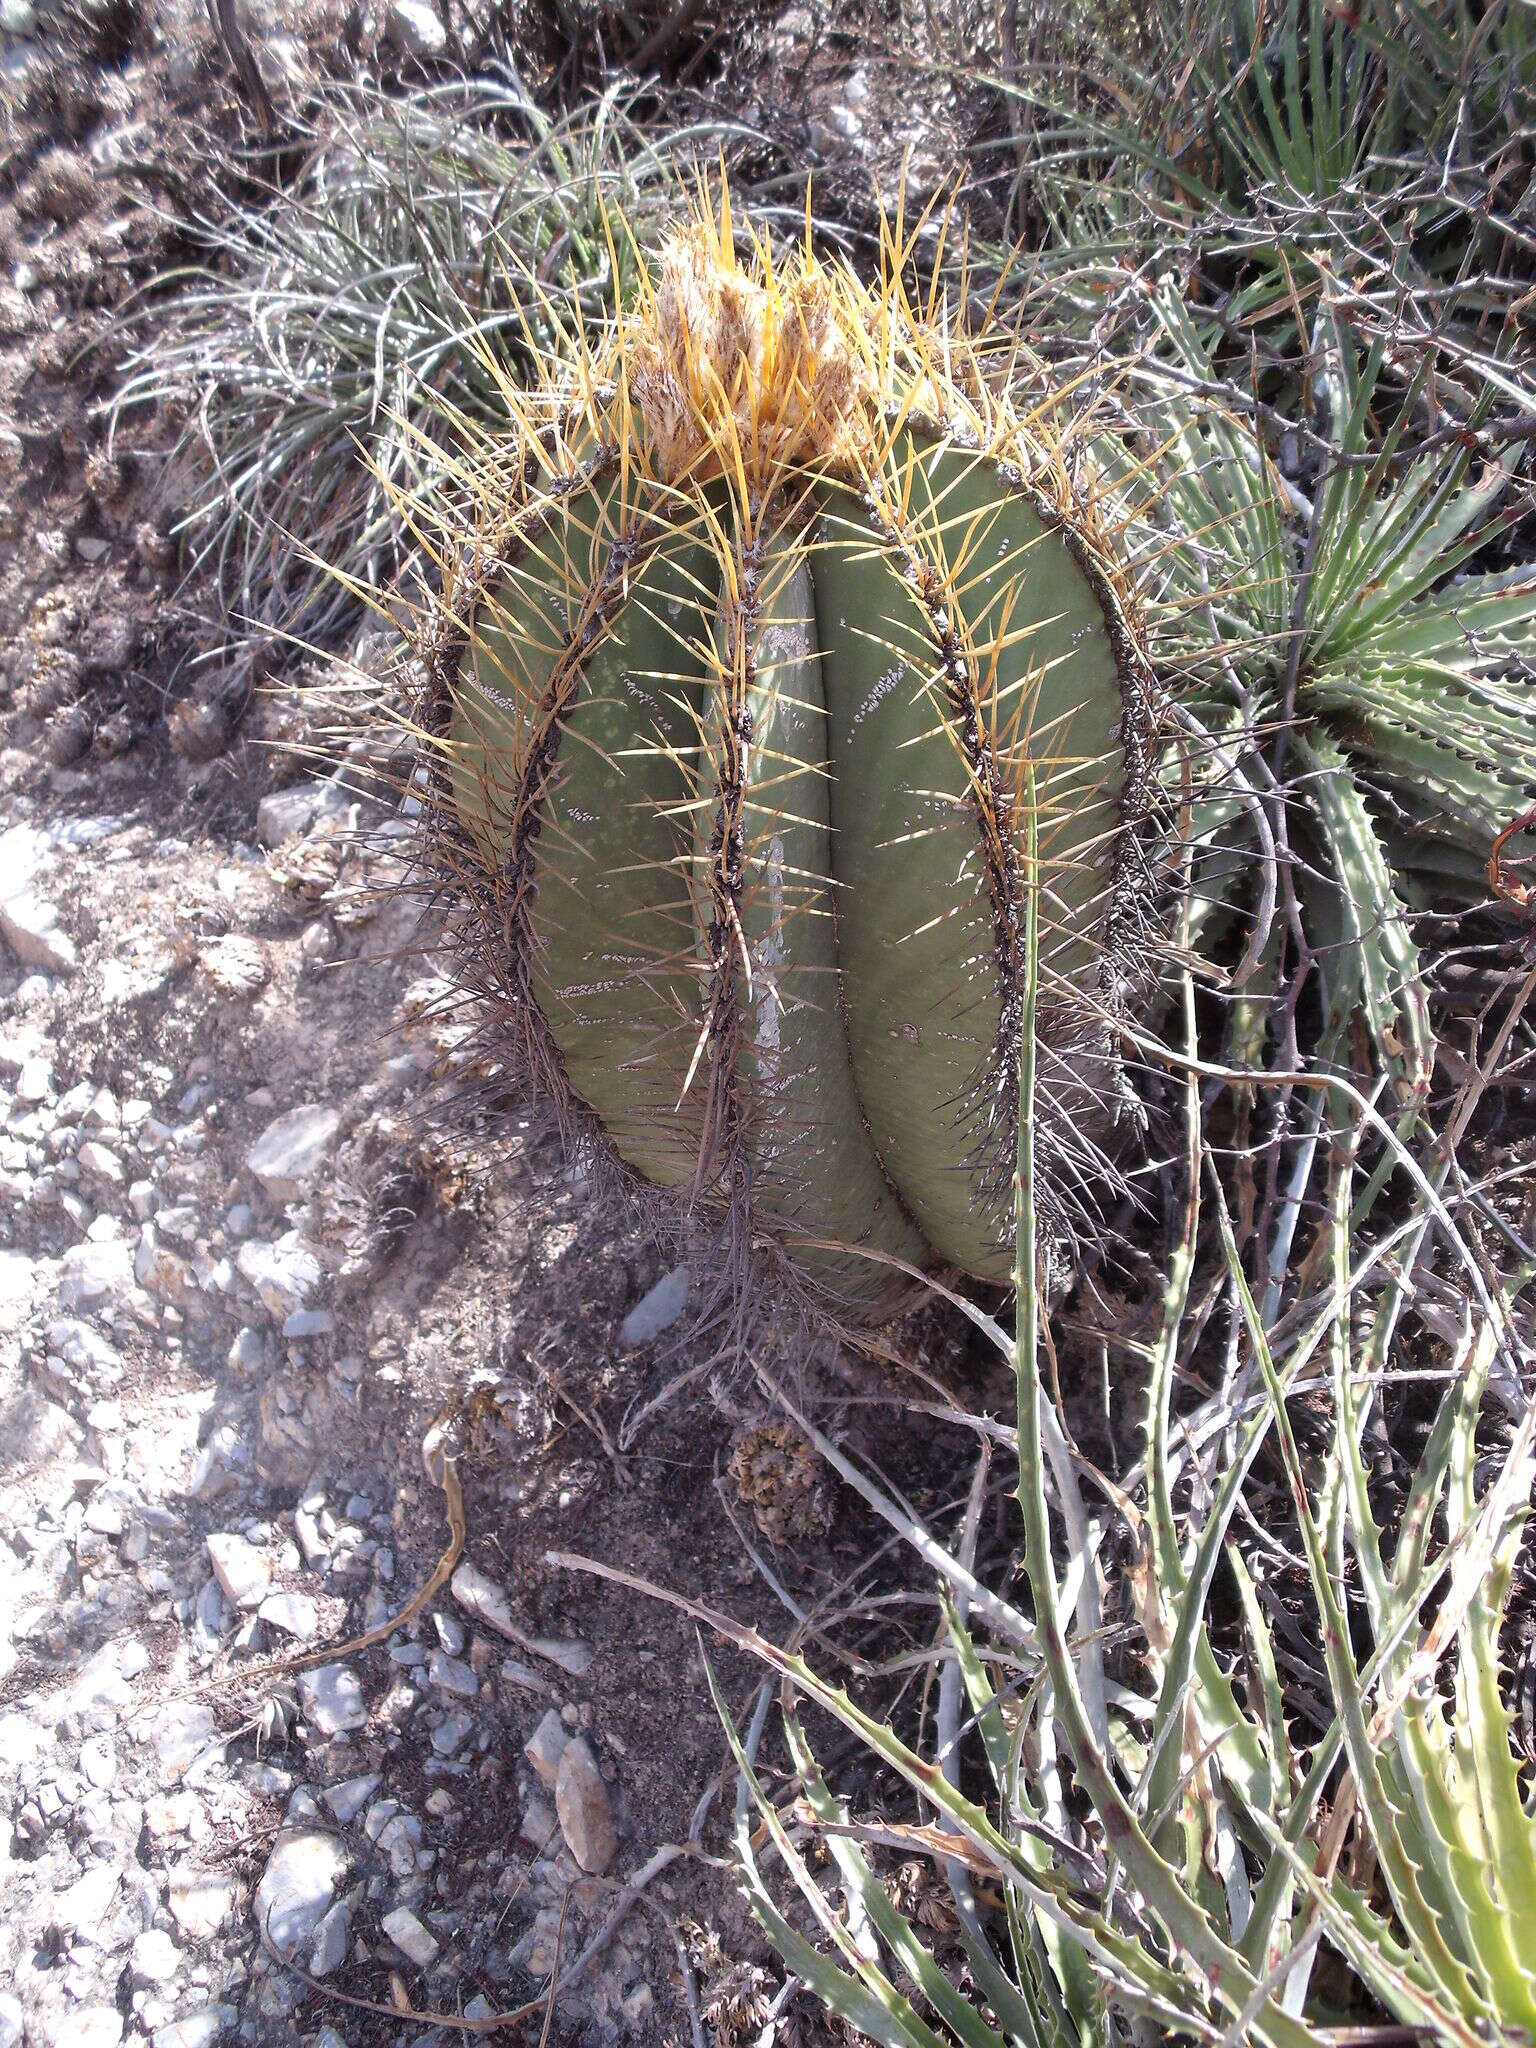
(992, 805)
(724, 1158)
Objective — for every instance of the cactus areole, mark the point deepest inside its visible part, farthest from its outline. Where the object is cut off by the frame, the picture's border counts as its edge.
(734, 697)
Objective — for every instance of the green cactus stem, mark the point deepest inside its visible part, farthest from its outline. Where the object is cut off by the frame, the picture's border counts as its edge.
(735, 707)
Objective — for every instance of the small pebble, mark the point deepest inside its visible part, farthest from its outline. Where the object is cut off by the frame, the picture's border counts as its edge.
(410, 1937)
(584, 1808)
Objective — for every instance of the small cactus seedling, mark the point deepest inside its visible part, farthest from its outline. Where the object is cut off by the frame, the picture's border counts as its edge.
(773, 608)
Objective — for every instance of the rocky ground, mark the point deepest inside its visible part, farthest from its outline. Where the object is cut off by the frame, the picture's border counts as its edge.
(238, 1286)
(241, 1283)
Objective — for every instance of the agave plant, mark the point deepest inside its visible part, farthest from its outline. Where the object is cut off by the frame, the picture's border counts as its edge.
(1265, 125)
(1302, 97)
(1358, 631)
(752, 630)
(1213, 1861)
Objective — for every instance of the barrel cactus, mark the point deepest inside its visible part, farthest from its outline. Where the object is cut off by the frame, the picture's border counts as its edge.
(770, 612)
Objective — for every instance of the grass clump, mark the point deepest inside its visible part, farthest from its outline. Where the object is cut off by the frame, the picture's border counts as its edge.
(339, 330)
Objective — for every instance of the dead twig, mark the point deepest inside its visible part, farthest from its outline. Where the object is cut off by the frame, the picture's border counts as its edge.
(488, 2023)
(1519, 895)
(282, 1667)
(236, 45)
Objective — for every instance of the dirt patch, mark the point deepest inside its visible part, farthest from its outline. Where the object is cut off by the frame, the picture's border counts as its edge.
(203, 1335)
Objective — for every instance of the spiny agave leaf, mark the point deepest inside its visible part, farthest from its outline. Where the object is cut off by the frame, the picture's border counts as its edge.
(1049, 2021)
(1255, 1776)
(1398, 657)
(1270, 1933)
(1449, 1843)
(1427, 46)
(897, 1933)
(1433, 874)
(1474, 1554)
(1456, 756)
(1391, 1968)
(1068, 1997)
(1383, 1812)
(1409, 1829)
(1188, 1662)
(1460, 528)
(988, 1716)
(1124, 1959)
(1139, 1980)
(1264, 1938)
(1491, 1780)
(1362, 538)
(1493, 611)
(1349, 1431)
(1222, 1968)
(879, 2012)
(1221, 857)
(1401, 547)
(1437, 728)
(1509, 1873)
(1375, 927)
(1220, 486)
(1250, 1022)
(1457, 1412)
(1262, 1651)
(1441, 1835)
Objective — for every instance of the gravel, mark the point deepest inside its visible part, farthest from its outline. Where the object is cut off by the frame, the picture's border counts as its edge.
(658, 1310)
(30, 926)
(298, 1885)
(546, 1745)
(332, 1699)
(214, 1367)
(450, 1674)
(329, 1949)
(93, 1276)
(290, 1151)
(242, 1572)
(416, 29)
(283, 1274)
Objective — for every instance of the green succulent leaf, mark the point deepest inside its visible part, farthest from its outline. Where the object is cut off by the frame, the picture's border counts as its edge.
(1375, 961)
